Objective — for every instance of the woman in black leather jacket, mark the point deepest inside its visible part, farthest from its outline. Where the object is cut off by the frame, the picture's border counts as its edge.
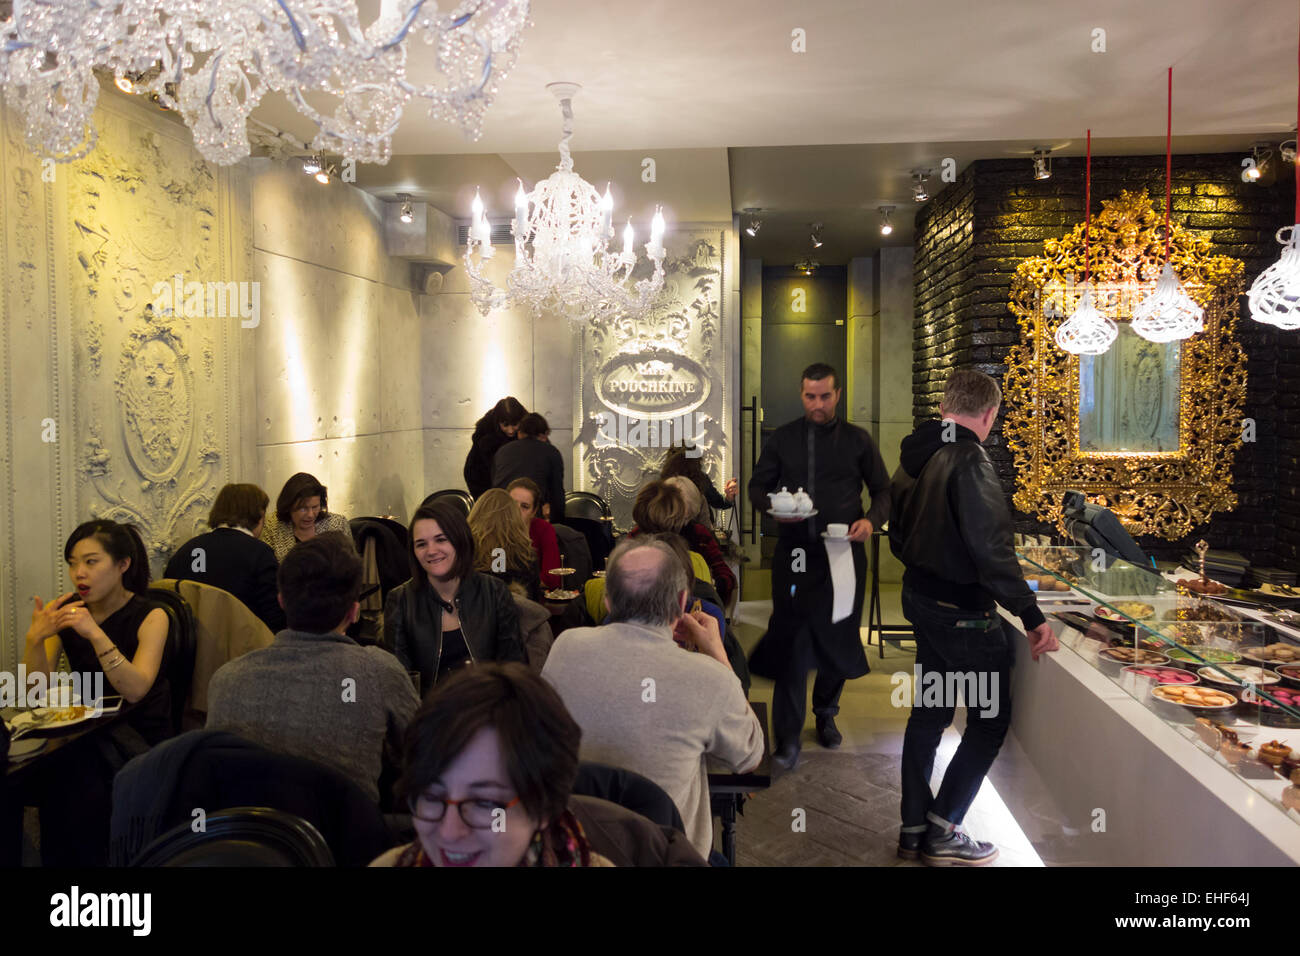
(448, 615)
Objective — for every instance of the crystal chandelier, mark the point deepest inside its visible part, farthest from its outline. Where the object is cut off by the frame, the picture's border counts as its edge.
(1087, 331)
(1275, 294)
(562, 230)
(214, 60)
(1168, 313)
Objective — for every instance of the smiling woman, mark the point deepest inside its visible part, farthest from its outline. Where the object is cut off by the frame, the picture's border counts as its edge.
(448, 615)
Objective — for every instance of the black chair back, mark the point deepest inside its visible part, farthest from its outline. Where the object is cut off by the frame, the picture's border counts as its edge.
(599, 535)
(207, 768)
(463, 499)
(182, 635)
(584, 504)
(575, 553)
(242, 836)
(629, 790)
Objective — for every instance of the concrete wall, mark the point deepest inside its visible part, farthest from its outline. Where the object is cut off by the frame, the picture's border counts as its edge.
(367, 383)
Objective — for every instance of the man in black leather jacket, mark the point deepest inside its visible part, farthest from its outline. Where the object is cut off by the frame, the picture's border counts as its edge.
(950, 526)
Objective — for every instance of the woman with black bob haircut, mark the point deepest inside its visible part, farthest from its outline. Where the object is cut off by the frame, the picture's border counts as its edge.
(114, 634)
(448, 615)
(493, 430)
(301, 513)
(490, 763)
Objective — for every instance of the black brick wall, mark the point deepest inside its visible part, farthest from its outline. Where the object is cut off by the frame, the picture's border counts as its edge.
(970, 237)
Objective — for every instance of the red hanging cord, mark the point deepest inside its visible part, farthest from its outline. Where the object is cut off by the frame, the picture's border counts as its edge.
(1169, 155)
(1297, 162)
(1087, 213)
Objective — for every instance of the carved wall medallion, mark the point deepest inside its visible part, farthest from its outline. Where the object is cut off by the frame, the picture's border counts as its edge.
(646, 382)
(1163, 493)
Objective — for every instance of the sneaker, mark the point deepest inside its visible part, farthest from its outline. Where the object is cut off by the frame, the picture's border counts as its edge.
(956, 849)
(909, 844)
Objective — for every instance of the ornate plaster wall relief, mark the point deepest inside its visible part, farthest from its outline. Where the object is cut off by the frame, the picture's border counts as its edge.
(649, 383)
(1161, 453)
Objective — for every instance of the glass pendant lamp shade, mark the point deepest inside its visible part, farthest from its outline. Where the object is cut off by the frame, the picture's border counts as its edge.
(1275, 294)
(1087, 331)
(1168, 313)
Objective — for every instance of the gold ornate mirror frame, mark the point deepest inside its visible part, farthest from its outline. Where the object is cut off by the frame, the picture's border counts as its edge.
(1155, 493)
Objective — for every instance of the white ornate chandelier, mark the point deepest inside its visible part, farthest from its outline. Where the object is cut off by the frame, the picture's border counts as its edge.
(562, 260)
(1275, 294)
(214, 60)
(1168, 313)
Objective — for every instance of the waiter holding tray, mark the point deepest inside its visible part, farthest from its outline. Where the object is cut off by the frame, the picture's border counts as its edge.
(816, 576)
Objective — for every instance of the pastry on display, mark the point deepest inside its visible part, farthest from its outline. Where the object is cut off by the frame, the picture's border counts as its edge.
(1244, 674)
(1045, 582)
(1202, 587)
(1198, 610)
(1274, 654)
(1234, 751)
(1274, 752)
(1163, 675)
(1124, 611)
(1196, 697)
(1132, 655)
(1202, 654)
(1182, 633)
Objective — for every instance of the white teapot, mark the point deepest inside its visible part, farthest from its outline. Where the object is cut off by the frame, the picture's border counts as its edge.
(782, 501)
(802, 503)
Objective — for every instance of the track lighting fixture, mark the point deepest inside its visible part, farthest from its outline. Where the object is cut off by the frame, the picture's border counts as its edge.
(408, 211)
(1043, 162)
(886, 227)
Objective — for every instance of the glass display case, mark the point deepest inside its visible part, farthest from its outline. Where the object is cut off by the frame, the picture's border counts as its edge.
(1225, 677)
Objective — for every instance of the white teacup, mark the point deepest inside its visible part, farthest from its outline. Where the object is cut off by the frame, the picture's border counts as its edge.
(837, 530)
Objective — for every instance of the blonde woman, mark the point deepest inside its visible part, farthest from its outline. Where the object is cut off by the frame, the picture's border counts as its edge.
(502, 547)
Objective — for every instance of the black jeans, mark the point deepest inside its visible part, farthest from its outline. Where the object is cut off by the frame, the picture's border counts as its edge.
(977, 659)
(790, 693)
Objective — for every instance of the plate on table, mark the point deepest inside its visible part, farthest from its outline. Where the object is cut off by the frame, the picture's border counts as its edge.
(558, 595)
(782, 515)
(51, 718)
(27, 747)
(1125, 612)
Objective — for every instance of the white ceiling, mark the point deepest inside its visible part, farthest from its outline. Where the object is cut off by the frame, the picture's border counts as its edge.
(888, 85)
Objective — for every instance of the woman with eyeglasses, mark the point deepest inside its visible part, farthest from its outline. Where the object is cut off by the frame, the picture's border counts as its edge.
(301, 513)
(490, 763)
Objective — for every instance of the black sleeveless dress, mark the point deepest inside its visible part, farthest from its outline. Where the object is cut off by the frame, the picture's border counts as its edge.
(151, 715)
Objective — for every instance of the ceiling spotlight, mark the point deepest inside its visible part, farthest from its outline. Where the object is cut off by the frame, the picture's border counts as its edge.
(886, 227)
(124, 82)
(1256, 162)
(817, 235)
(312, 164)
(1288, 151)
(919, 178)
(323, 175)
(1043, 162)
(408, 211)
(806, 266)
(755, 223)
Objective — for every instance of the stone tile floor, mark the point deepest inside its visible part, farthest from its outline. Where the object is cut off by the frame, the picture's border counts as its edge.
(850, 797)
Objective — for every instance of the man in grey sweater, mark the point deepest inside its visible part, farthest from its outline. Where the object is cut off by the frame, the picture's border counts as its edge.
(643, 702)
(315, 692)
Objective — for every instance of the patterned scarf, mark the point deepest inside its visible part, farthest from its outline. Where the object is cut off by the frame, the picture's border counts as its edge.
(563, 843)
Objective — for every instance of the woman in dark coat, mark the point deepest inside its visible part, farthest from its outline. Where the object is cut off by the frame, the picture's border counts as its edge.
(491, 431)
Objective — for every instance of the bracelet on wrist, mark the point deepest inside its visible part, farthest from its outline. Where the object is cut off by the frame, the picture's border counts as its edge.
(111, 649)
(116, 663)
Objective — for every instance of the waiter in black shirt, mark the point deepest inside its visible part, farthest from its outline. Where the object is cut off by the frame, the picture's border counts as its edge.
(831, 460)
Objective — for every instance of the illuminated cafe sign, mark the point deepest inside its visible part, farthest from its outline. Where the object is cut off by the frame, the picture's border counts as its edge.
(652, 384)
